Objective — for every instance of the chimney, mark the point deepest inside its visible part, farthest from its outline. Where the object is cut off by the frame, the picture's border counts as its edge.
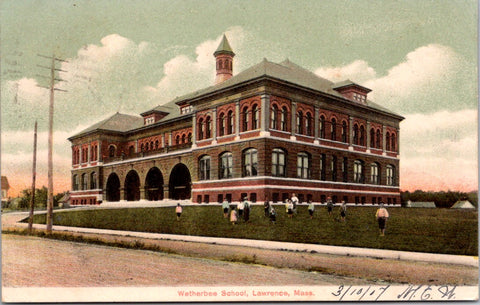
(224, 61)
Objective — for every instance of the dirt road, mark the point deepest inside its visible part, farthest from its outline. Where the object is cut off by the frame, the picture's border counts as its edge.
(34, 262)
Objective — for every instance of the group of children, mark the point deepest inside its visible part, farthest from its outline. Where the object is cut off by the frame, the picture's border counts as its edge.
(243, 211)
(270, 212)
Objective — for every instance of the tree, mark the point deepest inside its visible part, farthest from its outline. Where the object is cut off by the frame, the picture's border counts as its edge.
(40, 198)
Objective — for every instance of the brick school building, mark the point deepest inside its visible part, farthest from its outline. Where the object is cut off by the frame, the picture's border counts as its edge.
(268, 131)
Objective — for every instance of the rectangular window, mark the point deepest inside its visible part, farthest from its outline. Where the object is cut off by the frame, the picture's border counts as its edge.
(206, 198)
(323, 167)
(220, 198)
(275, 197)
(253, 197)
(334, 168)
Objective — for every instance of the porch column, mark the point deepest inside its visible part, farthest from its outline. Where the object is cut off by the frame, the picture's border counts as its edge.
(369, 138)
(166, 191)
(214, 126)
(122, 194)
(237, 120)
(265, 112)
(384, 139)
(194, 131)
(293, 121)
(316, 117)
(350, 130)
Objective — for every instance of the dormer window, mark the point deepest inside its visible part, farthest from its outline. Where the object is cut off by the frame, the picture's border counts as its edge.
(149, 120)
(359, 97)
(352, 91)
(186, 109)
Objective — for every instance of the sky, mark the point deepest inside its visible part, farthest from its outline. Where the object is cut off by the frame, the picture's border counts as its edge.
(419, 58)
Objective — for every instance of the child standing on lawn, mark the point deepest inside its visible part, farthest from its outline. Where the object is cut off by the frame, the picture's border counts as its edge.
(273, 215)
(225, 207)
(343, 211)
(179, 211)
(311, 208)
(233, 216)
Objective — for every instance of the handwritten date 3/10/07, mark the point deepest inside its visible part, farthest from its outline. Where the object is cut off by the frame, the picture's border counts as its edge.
(379, 293)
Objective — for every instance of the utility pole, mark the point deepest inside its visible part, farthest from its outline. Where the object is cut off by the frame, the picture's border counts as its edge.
(50, 139)
(34, 174)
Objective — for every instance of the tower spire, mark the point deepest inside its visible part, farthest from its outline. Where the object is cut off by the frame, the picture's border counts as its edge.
(224, 61)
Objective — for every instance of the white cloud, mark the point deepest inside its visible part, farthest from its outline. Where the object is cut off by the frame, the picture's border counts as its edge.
(424, 68)
(439, 151)
(358, 71)
(183, 74)
(424, 81)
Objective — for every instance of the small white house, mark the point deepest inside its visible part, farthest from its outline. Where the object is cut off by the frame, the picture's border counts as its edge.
(463, 204)
(421, 204)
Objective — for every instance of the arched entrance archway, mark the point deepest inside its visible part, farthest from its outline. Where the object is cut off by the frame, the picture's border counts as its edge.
(154, 185)
(113, 188)
(180, 184)
(132, 186)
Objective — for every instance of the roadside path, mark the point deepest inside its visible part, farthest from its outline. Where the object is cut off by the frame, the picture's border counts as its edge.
(378, 270)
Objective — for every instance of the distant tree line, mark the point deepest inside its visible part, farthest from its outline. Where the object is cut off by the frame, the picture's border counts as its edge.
(442, 199)
(23, 201)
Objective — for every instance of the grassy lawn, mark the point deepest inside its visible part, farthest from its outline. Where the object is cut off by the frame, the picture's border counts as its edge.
(422, 230)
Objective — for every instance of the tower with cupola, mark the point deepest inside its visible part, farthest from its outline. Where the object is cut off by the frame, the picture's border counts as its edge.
(224, 61)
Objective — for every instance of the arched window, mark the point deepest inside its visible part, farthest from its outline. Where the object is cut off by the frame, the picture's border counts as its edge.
(256, 117)
(156, 144)
(322, 127)
(226, 166)
(184, 139)
(274, 117)
(333, 168)
(221, 124)
(84, 182)
(303, 165)
(308, 124)
(200, 129)
(358, 171)
(333, 130)
(283, 119)
(300, 122)
(111, 151)
(75, 182)
(151, 145)
(355, 134)
(372, 138)
(394, 142)
(362, 136)
(245, 119)
(189, 137)
(131, 150)
(378, 141)
(142, 147)
(208, 127)
(204, 168)
(374, 173)
(93, 181)
(344, 132)
(250, 162)
(231, 122)
(390, 175)
(387, 140)
(177, 140)
(278, 162)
